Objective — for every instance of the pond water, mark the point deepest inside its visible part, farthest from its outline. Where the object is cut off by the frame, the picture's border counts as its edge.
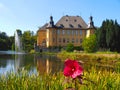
(10, 61)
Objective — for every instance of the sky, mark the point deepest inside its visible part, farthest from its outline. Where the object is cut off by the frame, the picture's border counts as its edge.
(32, 14)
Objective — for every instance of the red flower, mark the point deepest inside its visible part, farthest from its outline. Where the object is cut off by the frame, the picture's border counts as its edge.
(72, 68)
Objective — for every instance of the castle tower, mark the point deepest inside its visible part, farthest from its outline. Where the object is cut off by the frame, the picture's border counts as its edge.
(91, 27)
(51, 34)
(51, 23)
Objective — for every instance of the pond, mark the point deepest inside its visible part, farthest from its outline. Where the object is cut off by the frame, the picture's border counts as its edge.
(9, 61)
(37, 63)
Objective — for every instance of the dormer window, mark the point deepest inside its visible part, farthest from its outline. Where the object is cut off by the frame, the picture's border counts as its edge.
(61, 25)
(79, 26)
(71, 26)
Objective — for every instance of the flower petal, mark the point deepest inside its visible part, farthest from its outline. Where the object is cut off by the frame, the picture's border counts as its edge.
(72, 68)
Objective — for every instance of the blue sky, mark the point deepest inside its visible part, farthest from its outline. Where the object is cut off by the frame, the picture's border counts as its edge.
(31, 14)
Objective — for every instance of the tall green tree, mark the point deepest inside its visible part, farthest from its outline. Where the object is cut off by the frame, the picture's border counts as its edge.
(101, 36)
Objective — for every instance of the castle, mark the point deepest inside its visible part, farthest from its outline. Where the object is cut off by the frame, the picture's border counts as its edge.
(69, 29)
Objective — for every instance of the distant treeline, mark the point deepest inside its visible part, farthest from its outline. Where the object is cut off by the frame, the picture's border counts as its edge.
(8, 43)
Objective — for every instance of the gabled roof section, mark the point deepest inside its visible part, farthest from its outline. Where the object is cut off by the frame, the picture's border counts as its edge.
(43, 27)
(72, 22)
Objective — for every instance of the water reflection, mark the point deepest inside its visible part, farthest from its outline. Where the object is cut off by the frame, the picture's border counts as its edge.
(48, 64)
(33, 63)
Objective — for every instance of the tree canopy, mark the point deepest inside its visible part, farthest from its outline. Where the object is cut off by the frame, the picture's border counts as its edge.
(28, 40)
(5, 41)
(8, 43)
(108, 36)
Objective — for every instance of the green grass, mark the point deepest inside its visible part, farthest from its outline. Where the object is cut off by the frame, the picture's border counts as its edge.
(90, 56)
(24, 81)
(93, 79)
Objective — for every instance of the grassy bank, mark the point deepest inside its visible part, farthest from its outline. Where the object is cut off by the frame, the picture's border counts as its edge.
(92, 80)
(89, 56)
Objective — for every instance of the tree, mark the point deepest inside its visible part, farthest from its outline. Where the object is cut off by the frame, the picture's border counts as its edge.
(110, 34)
(28, 40)
(90, 44)
(11, 42)
(101, 36)
(117, 36)
(4, 39)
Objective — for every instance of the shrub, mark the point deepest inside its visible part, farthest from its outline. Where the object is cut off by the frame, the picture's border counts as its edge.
(70, 47)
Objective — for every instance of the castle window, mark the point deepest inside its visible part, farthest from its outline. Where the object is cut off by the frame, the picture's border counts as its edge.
(61, 25)
(63, 32)
(80, 40)
(76, 32)
(72, 32)
(71, 26)
(68, 32)
(53, 31)
(72, 40)
(75, 20)
(63, 40)
(59, 40)
(58, 31)
(80, 32)
(76, 40)
(79, 26)
(66, 20)
(53, 39)
(67, 40)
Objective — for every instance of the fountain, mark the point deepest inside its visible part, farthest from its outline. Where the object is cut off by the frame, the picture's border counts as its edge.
(18, 41)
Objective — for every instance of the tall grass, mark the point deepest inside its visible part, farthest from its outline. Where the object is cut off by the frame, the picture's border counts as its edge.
(92, 80)
(24, 81)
